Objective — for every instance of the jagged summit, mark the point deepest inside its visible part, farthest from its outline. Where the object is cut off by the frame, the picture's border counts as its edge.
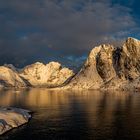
(110, 67)
(132, 39)
(10, 78)
(49, 75)
(131, 46)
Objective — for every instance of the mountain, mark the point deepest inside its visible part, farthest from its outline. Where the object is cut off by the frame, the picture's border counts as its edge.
(47, 75)
(109, 67)
(34, 75)
(10, 78)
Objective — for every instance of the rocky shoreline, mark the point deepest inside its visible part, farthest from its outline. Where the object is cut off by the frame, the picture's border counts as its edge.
(12, 118)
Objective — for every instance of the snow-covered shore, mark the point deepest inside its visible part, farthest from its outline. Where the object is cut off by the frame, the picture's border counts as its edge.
(12, 117)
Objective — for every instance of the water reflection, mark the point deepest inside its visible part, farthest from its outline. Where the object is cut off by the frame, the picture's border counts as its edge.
(77, 114)
(44, 97)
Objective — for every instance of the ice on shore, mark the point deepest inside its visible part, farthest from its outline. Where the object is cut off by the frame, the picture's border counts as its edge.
(12, 117)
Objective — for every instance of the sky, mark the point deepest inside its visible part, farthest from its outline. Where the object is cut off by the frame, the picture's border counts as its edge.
(63, 30)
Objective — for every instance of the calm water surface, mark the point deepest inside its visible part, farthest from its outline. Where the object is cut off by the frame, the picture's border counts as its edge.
(70, 115)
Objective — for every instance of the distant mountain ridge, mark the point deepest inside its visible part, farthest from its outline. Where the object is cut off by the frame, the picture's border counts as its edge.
(107, 67)
(34, 75)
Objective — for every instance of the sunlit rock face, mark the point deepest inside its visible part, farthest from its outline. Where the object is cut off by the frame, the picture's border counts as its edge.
(12, 117)
(47, 75)
(97, 69)
(129, 60)
(10, 78)
(109, 67)
(11, 66)
(127, 65)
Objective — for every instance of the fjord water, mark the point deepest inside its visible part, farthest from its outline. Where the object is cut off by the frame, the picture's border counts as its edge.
(81, 115)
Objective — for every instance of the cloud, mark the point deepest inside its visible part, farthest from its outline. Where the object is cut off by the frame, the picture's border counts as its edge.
(57, 29)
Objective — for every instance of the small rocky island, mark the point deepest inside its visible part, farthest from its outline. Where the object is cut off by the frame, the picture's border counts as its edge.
(12, 117)
(107, 67)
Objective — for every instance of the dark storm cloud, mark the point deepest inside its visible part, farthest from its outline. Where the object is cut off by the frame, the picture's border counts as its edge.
(47, 30)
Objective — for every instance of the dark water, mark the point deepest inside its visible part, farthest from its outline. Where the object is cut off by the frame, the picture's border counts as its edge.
(81, 115)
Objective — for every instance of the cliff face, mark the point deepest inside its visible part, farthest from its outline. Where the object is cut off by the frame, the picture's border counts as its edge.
(10, 78)
(108, 67)
(49, 75)
(129, 60)
(127, 66)
(97, 69)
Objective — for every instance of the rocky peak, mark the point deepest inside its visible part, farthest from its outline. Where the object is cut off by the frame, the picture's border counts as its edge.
(131, 47)
(109, 65)
(97, 68)
(10, 78)
(11, 66)
(49, 75)
(127, 59)
(105, 48)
